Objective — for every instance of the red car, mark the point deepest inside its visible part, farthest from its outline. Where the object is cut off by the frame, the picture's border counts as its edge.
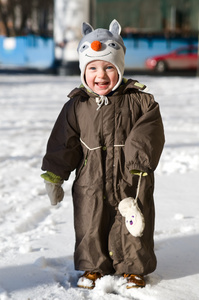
(181, 58)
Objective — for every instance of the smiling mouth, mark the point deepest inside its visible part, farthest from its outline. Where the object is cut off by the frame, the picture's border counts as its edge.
(98, 56)
(102, 84)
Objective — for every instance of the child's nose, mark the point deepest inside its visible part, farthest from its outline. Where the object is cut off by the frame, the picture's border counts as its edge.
(101, 73)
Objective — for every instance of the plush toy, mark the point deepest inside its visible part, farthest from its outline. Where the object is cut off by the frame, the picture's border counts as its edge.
(134, 219)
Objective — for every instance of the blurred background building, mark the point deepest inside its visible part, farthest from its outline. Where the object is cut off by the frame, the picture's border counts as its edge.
(35, 33)
(151, 16)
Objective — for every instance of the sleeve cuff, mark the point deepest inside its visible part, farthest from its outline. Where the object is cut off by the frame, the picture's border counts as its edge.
(51, 177)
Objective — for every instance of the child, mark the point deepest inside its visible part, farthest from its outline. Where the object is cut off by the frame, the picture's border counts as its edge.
(109, 132)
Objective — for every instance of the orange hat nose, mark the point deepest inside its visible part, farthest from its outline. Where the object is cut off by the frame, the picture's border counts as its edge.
(96, 45)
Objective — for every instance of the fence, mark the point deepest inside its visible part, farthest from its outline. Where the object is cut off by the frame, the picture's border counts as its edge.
(26, 51)
(38, 52)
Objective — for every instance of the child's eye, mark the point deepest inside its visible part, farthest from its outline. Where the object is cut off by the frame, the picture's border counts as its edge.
(110, 67)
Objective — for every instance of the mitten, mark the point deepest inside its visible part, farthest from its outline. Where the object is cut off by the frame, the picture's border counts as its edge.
(134, 219)
(54, 191)
(129, 209)
(53, 185)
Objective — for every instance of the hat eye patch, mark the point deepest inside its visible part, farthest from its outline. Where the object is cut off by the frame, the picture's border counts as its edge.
(114, 45)
(84, 47)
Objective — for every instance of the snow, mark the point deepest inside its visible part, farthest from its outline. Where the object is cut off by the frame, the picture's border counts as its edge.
(37, 240)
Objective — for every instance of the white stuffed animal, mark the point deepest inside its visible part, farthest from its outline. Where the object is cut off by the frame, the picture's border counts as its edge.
(134, 219)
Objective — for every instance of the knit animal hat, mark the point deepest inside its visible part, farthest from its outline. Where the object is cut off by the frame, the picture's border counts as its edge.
(102, 44)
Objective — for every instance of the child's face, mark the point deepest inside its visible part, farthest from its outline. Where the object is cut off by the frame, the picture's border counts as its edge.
(101, 76)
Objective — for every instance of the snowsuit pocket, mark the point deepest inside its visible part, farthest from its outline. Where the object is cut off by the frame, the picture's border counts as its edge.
(90, 170)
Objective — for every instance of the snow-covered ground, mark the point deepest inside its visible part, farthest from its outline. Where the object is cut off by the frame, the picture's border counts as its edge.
(37, 240)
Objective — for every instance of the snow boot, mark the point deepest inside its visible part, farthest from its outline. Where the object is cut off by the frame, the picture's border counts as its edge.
(87, 280)
(134, 281)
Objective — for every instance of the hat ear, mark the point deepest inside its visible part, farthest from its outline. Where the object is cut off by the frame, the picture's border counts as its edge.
(115, 27)
(86, 28)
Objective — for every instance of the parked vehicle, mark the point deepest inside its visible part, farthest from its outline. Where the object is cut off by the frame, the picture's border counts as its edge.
(185, 58)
